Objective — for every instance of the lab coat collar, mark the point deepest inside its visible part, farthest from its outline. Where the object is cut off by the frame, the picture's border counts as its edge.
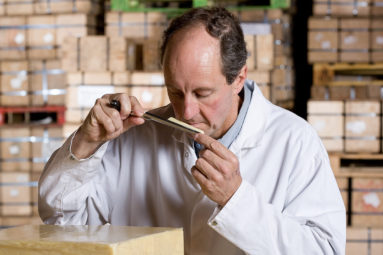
(253, 127)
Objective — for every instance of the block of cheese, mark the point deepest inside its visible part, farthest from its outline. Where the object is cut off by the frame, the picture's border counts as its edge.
(14, 83)
(367, 204)
(135, 24)
(341, 7)
(14, 149)
(354, 40)
(377, 39)
(364, 241)
(322, 40)
(327, 119)
(12, 38)
(96, 240)
(260, 50)
(45, 140)
(362, 126)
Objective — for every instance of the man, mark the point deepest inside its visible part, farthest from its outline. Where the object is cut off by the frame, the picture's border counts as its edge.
(261, 183)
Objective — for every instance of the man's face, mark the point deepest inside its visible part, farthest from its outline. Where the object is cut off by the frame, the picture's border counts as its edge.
(197, 89)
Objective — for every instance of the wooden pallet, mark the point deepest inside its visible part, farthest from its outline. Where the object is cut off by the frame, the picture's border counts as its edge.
(25, 115)
(324, 74)
(357, 165)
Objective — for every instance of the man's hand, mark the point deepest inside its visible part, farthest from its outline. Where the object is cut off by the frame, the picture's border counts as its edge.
(216, 170)
(104, 123)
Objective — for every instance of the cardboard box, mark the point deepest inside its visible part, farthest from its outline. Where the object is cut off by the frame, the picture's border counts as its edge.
(12, 38)
(367, 206)
(327, 119)
(135, 24)
(362, 126)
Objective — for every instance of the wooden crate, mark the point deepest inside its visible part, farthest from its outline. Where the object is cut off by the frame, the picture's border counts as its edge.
(341, 8)
(327, 119)
(135, 25)
(357, 165)
(323, 40)
(15, 194)
(14, 85)
(45, 140)
(362, 126)
(364, 241)
(13, 38)
(367, 205)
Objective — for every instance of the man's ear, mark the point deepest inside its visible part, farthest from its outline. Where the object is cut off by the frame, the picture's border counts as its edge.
(240, 80)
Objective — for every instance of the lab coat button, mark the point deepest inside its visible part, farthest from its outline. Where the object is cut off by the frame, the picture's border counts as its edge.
(214, 223)
(186, 154)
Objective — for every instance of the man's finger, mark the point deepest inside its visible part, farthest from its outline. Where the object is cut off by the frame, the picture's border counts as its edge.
(211, 144)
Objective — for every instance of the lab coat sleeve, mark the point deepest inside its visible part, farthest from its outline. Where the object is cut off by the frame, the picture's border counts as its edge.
(69, 189)
(312, 221)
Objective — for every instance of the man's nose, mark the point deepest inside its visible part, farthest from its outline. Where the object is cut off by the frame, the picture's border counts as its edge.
(191, 108)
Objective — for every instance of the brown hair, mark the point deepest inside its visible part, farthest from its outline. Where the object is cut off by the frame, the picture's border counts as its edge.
(220, 24)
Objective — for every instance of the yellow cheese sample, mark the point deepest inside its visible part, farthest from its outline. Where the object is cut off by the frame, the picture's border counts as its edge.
(95, 240)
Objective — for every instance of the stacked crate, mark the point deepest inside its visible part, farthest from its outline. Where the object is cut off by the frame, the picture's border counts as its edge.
(32, 94)
(272, 36)
(346, 50)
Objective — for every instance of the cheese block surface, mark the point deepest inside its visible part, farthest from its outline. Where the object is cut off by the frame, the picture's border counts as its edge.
(103, 240)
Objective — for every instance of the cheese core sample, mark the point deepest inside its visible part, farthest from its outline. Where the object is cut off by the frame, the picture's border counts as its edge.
(185, 125)
(95, 240)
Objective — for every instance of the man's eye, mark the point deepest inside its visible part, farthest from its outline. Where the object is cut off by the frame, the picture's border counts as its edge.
(203, 94)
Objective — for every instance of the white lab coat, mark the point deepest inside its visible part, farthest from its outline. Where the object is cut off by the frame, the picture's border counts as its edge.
(287, 203)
